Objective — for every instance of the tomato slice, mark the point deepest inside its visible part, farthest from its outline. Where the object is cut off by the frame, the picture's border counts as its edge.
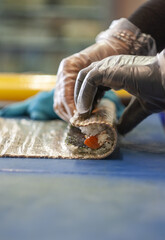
(92, 142)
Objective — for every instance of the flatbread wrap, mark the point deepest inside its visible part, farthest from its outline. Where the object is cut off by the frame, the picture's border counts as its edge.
(55, 139)
(96, 136)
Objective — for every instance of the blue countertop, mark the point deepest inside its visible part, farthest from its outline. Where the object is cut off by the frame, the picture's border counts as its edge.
(120, 197)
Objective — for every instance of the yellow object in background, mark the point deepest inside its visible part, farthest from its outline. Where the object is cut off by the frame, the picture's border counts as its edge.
(17, 87)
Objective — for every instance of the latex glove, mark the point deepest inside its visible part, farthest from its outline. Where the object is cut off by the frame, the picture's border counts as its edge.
(39, 107)
(143, 77)
(122, 37)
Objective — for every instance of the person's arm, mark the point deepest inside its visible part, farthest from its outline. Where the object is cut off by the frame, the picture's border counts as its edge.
(150, 18)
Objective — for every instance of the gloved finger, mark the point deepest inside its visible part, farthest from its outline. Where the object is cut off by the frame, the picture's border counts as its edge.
(64, 99)
(79, 81)
(16, 109)
(133, 114)
(69, 109)
(58, 104)
(68, 100)
(60, 110)
(63, 110)
(87, 93)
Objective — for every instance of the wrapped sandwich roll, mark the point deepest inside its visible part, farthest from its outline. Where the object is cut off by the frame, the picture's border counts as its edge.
(96, 136)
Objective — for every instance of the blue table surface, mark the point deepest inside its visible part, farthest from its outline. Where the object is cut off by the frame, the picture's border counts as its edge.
(120, 197)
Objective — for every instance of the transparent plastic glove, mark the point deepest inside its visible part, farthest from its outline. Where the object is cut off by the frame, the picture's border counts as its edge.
(39, 107)
(143, 77)
(122, 37)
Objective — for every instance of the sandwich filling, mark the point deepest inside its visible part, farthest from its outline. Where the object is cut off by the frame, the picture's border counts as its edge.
(92, 138)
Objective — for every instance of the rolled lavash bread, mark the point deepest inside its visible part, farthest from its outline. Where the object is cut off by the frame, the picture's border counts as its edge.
(96, 136)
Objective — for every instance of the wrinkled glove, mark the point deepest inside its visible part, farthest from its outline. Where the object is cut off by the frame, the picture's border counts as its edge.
(122, 37)
(39, 107)
(143, 77)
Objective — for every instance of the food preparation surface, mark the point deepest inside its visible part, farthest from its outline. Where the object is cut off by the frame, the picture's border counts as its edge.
(120, 197)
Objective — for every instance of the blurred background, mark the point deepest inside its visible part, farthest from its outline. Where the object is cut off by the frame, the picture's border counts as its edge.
(35, 35)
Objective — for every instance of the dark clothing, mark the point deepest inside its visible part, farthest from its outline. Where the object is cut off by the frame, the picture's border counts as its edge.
(150, 18)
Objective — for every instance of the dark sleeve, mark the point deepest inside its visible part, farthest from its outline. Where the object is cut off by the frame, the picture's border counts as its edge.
(150, 18)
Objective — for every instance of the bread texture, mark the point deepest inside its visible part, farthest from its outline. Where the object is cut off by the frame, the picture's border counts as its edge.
(101, 123)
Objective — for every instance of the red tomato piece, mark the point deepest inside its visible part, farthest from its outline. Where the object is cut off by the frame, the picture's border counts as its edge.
(92, 142)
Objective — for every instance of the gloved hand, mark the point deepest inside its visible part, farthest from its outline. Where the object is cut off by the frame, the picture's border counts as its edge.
(121, 38)
(39, 107)
(143, 77)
